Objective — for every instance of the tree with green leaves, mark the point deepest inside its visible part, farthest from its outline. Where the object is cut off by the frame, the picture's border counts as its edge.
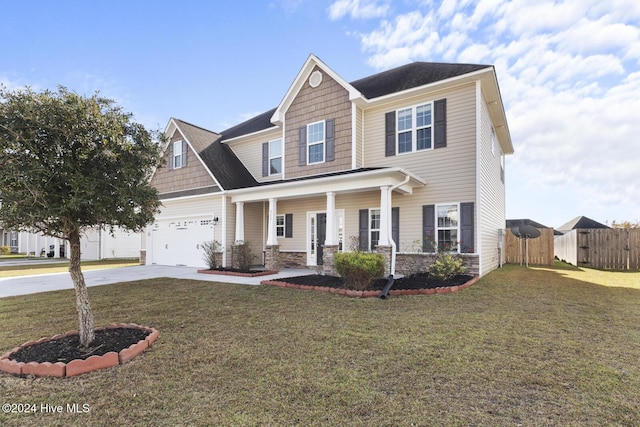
(70, 163)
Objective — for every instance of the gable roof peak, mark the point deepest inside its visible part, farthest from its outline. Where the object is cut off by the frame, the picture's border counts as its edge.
(304, 73)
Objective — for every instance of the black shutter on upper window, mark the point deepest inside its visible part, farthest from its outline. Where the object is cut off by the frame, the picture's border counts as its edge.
(364, 230)
(428, 228)
(395, 226)
(288, 225)
(185, 150)
(329, 140)
(265, 159)
(171, 156)
(466, 227)
(440, 123)
(390, 134)
(302, 146)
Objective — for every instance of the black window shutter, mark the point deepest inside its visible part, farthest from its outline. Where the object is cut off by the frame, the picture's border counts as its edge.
(466, 227)
(265, 159)
(428, 228)
(302, 146)
(288, 225)
(185, 150)
(364, 230)
(390, 134)
(395, 226)
(171, 156)
(440, 123)
(329, 140)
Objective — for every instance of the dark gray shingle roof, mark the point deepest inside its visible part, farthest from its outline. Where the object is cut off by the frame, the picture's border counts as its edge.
(387, 82)
(581, 222)
(410, 76)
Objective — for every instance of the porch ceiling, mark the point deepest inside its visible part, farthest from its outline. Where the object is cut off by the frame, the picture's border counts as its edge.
(337, 183)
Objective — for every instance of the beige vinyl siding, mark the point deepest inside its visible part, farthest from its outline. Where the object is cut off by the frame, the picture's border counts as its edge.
(492, 194)
(450, 172)
(249, 150)
(254, 226)
(359, 137)
(299, 209)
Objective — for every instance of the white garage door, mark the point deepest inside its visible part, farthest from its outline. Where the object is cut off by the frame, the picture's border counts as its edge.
(179, 242)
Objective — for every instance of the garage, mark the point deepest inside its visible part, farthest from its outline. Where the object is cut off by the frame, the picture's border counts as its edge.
(179, 241)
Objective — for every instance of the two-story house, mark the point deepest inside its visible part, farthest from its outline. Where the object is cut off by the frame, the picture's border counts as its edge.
(400, 162)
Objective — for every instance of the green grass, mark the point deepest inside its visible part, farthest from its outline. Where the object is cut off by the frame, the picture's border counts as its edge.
(62, 266)
(531, 347)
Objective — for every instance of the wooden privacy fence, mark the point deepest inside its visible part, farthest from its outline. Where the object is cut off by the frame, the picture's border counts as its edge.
(607, 248)
(540, 248)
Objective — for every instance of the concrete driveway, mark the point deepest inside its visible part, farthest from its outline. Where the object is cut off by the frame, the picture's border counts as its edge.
(24, 285)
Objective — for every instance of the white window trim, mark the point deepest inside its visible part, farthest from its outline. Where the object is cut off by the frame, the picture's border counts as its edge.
(323, 142)
(438, 228)
(282, 227)
(276, 157)
(178, 144)
(371, 230)
(414, 128)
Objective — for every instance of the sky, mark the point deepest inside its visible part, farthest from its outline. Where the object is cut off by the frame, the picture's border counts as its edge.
(568, 71)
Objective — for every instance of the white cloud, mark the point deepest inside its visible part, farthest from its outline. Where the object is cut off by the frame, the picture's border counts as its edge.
(358, 9)
(569, 74)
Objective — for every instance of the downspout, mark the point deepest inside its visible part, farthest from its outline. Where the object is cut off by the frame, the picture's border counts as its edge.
(390, 231)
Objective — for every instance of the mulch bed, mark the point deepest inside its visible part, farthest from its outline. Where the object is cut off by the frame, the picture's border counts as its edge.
(415, 281)
(65, 349)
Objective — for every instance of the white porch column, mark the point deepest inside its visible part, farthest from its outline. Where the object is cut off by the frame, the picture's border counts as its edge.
(331, 238)
(56, 248)
(239, 222)
(272, 238)
(385, 216)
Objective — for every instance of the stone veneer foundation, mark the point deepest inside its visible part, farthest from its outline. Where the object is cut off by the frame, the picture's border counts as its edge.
(78, 366)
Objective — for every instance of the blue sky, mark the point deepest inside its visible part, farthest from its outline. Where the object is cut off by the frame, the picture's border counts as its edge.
(569, 72)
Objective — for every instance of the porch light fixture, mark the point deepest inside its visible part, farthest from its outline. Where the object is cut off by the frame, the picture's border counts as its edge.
(215, 221)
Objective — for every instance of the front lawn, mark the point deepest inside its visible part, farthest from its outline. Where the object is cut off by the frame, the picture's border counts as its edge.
(520, 347)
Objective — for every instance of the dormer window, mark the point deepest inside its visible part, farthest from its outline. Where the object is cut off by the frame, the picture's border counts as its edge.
(177, 155)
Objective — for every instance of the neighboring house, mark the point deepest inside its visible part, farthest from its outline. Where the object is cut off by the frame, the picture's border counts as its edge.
(95, 244)
(397, 162)
(581, 222)
(519, 222)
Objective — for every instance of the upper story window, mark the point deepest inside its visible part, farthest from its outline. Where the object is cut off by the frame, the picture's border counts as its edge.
(275, 157)
(315, 142)
(415, 128)
(177, 155)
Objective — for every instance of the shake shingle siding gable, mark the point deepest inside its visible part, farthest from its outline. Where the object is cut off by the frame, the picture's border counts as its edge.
(218, 157)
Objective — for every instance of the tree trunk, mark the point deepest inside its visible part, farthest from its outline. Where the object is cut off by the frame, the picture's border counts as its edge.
(85, 316)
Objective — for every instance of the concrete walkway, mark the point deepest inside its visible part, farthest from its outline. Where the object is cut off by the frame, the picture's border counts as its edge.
(24, 285)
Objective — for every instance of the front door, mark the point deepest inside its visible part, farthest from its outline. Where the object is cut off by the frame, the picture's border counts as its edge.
(321, 236)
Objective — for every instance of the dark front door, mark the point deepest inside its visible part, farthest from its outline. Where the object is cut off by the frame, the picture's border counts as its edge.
(321, 236)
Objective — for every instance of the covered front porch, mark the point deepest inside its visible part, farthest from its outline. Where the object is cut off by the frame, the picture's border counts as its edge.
(305, 222)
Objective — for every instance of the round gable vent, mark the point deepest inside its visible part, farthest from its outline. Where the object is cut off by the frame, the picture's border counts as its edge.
(315, 79)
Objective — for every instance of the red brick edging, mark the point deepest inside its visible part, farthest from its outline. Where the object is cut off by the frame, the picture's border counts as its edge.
(235, 273)
(78, 366)
(370, 294)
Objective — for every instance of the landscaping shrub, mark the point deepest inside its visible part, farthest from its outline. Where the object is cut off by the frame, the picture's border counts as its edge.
(359, 269)
(242, 255)
(447, 266)
(5, 250)
(212, 253)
